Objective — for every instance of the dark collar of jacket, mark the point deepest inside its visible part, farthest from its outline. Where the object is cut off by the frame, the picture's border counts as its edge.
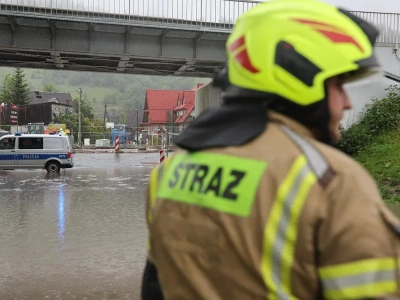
(291, 123)
(232, 125)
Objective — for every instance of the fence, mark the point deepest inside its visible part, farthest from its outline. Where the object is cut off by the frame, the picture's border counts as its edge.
(387, 23)
(207, 14)
(162, 135)
(162, 140)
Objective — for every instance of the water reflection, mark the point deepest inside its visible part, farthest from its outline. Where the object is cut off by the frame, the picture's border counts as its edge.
(82, 234)
(61, 214)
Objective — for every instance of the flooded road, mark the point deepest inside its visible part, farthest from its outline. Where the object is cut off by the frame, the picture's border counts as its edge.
(80, 234)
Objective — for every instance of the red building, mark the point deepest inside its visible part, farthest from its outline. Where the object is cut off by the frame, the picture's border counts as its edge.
(184, 110)
(168, 110)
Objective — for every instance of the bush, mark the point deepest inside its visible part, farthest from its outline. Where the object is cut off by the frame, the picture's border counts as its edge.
(354, 139)
(377, 118)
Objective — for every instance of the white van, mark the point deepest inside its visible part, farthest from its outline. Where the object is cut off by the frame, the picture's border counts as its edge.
(35, 151)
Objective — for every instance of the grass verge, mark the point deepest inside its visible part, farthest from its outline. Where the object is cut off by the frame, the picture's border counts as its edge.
(381, 159)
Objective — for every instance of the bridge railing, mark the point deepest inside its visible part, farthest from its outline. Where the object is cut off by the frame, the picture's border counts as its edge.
(387, 23)
(197, 14)
(208, 14)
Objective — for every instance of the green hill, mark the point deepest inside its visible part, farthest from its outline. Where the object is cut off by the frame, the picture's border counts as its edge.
(120, 92)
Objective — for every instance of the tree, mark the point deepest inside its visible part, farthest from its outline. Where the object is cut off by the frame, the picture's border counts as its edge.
(86, 107)
(68, 118)
(5, 94)
(91, 126)
(19, 88)
(49, 88)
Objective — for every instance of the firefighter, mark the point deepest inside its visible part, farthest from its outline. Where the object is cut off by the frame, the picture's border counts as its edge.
(62, 132)
(258, 204)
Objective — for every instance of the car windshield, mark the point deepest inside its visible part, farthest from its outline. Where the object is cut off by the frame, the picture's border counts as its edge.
(7, 143)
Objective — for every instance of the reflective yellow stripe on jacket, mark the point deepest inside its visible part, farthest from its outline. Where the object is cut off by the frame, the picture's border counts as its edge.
(155, 178)
(360, 279)
(280, 234)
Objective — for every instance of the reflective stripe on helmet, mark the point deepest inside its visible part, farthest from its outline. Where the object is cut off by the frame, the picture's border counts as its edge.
(360, 279)
(280, 233)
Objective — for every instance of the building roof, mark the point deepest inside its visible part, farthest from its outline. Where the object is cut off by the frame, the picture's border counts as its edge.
(187, 106)
(159, 103)
(37, 97)
(200, 86)
(183, 118)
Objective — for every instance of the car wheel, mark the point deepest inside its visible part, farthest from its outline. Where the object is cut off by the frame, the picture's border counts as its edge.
(53, 167)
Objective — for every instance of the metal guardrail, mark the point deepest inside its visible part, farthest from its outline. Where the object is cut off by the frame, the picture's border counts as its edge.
(206, 14)
(387, 23)
(203, 15)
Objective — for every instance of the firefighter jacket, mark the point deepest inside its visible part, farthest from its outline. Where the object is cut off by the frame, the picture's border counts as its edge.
(280, 217)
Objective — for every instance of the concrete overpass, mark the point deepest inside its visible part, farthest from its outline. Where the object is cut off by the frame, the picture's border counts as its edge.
(160, 37)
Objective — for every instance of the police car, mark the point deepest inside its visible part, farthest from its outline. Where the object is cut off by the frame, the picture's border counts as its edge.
(35, 151)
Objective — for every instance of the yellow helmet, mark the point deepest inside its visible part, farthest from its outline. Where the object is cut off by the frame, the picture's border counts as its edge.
(289, 48)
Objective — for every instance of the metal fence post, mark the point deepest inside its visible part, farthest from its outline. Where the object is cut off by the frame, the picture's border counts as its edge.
(201, 13)
(397, 31)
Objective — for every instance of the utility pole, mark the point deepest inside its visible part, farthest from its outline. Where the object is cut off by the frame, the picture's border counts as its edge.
(137, 127)
(105, 114)
(79, 119)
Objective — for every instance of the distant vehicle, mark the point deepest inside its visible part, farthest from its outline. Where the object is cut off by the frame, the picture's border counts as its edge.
(3, 132)
(120, 130)
(36, 128)
(35, 151)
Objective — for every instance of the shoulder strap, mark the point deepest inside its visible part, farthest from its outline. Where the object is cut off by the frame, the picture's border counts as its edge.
(316, 160)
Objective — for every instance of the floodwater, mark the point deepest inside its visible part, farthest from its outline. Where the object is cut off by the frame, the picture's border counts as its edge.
(80, 234)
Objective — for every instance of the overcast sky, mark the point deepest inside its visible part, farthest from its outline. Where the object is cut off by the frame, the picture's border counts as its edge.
(390, 6)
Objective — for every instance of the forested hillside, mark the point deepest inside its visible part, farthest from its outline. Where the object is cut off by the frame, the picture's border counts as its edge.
(119, 91)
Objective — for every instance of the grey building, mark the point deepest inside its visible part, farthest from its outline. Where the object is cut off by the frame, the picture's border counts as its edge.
(37, 97)
(43, 107)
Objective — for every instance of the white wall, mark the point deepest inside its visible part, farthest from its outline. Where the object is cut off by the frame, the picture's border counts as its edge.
(206, 97)
(361, 96)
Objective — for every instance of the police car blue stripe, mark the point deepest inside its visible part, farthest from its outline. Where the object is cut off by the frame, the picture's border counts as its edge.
(7, 156)
(32, 156)
(41, 156)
